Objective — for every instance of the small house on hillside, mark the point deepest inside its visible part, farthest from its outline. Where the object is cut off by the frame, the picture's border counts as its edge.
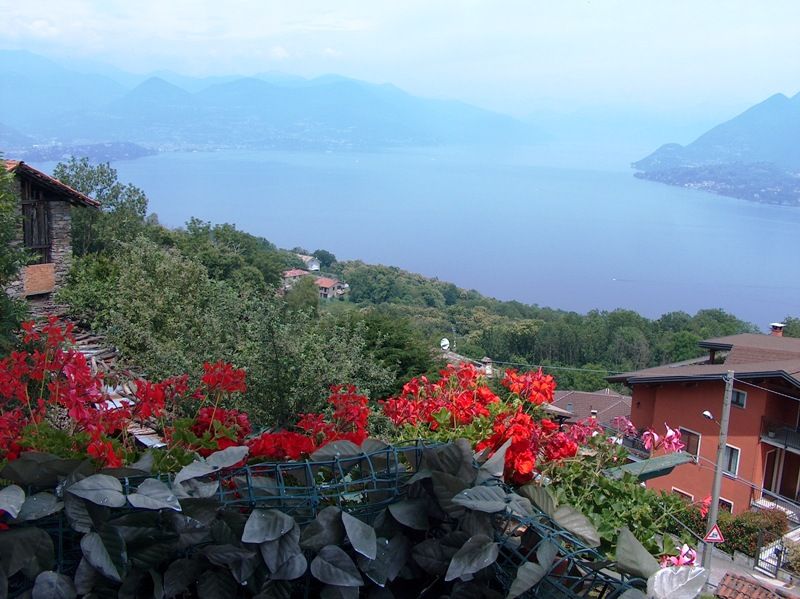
(310, 261)
(290, 277)
(331, 288)
(46, 232)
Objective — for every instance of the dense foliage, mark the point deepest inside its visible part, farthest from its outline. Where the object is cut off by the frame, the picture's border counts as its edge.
(11, 257)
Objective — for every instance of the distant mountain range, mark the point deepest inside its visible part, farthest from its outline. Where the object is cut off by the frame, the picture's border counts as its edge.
(754, 156)
(47, 103)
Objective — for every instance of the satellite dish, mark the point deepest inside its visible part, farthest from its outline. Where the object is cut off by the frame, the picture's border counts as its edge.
(444, 344)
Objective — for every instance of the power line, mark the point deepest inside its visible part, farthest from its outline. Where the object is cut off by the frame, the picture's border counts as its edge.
(766, 389)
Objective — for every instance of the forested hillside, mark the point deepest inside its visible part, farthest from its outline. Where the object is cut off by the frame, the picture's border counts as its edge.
(171, 299)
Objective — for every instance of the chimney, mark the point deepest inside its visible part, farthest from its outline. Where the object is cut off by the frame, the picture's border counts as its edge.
(776, 329)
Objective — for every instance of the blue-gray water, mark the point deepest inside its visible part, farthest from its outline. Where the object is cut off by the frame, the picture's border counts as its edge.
(561, 226)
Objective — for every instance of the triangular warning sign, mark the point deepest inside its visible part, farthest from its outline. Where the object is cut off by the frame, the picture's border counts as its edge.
(714, 536)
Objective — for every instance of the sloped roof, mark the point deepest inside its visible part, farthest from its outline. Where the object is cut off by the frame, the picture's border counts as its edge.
(326, 282)
(608, 403)
(295, 272)
(749, 356)
(737, 586)
(72, 195)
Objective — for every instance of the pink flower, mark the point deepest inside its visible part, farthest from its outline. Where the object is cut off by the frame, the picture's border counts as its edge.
(686, 557)
(672, 440)
(651, 439)
(704, 505)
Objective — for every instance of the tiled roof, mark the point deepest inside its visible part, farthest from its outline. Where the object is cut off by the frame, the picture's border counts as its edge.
(294, 272)
(609, 404)
(74, 196)
(326, 282)
(736, 586)
(754, 341)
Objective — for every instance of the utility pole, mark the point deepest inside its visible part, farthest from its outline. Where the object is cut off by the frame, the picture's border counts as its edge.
(713, 510)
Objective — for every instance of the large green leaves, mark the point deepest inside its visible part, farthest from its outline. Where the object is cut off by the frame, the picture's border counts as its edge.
(266, 525)
(578, 524)
(326, 529)
(101, 489)
(411, 512)
(152, 494)
(11, 499)
(333, 566)
(482, 499)
(632, 557)
(361, 535)
(106, 552)
(27, 549)
(476, 554)
(277, 552)
(52, 585)
(38, 506)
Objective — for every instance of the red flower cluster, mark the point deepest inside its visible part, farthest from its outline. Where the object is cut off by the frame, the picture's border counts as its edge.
(534, 386)
(223, 377)
(459, 397)
(283, 445)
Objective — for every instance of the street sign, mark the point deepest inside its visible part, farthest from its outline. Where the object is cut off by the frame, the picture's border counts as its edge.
(714, 535)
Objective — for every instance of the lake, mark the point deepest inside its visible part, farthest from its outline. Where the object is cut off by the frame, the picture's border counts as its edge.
(565, 226)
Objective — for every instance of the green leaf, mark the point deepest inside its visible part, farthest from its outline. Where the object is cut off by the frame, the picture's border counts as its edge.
(225, 555)
(27, 549)
(476, 554)
(180, 574)
(528, 575)
(361, 535)
(482, 499)
(276, 553)
(11, 499)
(38, 506)
(475, 523)
(146, 462)
(266, 525)
(106, 552)
(494, 467)
(215, 584)
(292, 568)
(336, 449)
(85, 577)
(445, 487)
(77, 513)
(196, 469)
(333, 566)
(410, 512)
(568, 517)
(540, 497)
(101, 489)
(325, 529)
(546, 552)
(37, 469)
(455, 458)
(230, 456)
(632, 557)
(52, 585)
(433, 556)
(152, 494)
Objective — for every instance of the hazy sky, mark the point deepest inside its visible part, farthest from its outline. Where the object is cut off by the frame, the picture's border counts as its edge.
(519, 56)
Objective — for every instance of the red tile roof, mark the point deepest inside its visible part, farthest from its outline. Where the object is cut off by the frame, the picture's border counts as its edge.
(736, 586)
(74, 196)
(294, 272)
(326, 282)
(609, 404)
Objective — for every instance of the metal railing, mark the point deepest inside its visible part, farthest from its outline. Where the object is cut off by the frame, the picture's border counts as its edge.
(777, 433)
(762, 499)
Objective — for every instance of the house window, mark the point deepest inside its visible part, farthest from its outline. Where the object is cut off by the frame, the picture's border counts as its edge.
(35, 223)
(738, 398)
(691, 442)
(725, 505)
(683, 495)
(731, 460)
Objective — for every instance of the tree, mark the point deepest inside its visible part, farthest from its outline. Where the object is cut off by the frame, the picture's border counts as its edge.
(792, 326)
(304, 295)
(326, 259)
(11, 257)
(122, 206)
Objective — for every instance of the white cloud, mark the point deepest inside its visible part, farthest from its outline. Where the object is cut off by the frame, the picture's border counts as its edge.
(278, 53)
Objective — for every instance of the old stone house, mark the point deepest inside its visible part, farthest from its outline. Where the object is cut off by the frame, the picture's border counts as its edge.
(46, 205)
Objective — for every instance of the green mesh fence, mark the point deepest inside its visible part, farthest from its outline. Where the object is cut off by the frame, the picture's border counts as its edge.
(576, 570)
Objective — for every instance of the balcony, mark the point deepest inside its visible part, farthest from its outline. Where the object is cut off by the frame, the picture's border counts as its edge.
(780, 435)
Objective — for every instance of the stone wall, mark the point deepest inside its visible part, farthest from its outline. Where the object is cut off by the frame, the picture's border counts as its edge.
(60, 249)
